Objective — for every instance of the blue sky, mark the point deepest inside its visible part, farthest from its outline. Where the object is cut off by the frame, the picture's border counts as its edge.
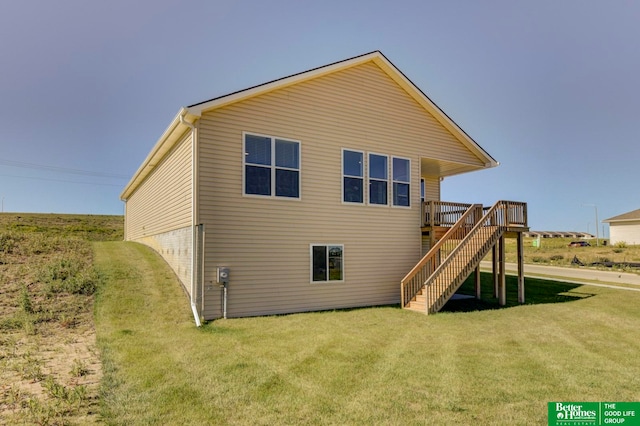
(551, 89)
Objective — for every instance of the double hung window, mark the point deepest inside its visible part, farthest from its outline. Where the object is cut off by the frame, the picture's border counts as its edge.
(327, 262)
(352, 176)
(401, 181)
(271, 166)
(378, 179)
(384, 179)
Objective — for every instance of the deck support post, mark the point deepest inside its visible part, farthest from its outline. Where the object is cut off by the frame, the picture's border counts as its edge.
(494, 268)
(520, 268)
(502, 290)
(477, 283)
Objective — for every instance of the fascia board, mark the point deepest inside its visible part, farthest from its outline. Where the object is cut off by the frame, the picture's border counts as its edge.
(435, 111)
(166, 142)
(621, 220)
(241, 95)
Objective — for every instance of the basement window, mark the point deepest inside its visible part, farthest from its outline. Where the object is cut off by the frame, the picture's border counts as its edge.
(327, 262)
(271, 166)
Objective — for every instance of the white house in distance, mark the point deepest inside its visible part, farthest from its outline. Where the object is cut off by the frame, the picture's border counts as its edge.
(316, 191)
(624, 228)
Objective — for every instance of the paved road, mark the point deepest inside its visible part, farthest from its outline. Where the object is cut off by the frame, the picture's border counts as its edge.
(574, 275)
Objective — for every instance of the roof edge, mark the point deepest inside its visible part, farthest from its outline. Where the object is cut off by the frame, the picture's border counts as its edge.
(167, 141)
(442, 117)
(385, 65)
(192, 112)
(633, 215)
(200, 107)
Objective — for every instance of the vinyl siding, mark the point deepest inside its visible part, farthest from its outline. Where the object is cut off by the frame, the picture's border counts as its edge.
(158, 213)
(625, 232)
(163, 201)
(266, 241)
(431, 188)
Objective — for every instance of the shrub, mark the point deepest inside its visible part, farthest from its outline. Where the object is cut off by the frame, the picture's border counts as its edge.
(60, 270)
(83, 283)
(69, 275)
(556, 257)
(621, 244)
(25, 301)
(9, 242)
(538, 259)
(79, 369)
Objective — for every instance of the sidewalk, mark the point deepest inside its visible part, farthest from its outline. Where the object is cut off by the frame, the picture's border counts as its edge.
(573, 275)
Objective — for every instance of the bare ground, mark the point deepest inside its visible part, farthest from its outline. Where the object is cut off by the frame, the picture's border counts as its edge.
(50, 367)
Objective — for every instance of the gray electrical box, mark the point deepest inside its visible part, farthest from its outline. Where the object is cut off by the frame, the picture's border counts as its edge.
(223, 275)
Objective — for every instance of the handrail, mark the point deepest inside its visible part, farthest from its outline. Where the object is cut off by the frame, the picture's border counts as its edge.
(410, 286)
(453, 270)
(442, 213)
(441, 271)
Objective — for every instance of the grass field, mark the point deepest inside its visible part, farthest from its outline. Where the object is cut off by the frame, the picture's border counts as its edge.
(474, 363)
(363, 366)
(556, 251)
(50, 368)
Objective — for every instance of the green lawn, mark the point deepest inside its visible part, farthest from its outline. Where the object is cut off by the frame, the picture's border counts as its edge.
(363, 366)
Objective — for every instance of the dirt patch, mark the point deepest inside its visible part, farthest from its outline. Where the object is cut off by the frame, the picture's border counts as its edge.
(50, 368)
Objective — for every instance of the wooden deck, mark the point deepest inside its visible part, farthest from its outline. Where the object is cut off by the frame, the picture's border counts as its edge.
(461, 235)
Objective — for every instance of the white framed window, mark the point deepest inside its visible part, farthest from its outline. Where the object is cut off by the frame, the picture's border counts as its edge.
(352, 176)
(327, 262)
(378, 179)
(271, 166)
(401, 172)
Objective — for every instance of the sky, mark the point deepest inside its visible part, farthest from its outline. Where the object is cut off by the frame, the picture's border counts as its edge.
(550, 88)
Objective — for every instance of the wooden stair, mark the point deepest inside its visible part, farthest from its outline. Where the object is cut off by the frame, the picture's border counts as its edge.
(439, 274)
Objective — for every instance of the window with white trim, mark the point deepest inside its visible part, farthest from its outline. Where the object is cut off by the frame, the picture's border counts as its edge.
(352, 176)
(327, 262)
(401, 170)
(378, 179)
(271, 166)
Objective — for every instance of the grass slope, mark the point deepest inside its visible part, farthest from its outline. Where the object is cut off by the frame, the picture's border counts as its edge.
(49, 366)
(363, 366)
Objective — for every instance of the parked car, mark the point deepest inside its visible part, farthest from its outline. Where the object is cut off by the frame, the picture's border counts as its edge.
(579, 244)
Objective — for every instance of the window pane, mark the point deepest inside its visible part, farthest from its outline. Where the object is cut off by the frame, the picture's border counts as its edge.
(401, 194)
(352, 163)
(377, 166)
(257, 180)
(401, 169)
(353, 190)
(287, 154)
(287, 183)
(257, 150)
(319, 271)
(335, 263)
(377, 192)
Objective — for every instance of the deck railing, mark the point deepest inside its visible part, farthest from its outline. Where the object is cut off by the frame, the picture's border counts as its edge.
(442, 213)
(413, 282)
(450, 261)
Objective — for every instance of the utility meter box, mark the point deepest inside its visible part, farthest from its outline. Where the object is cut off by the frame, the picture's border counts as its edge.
(223, 275)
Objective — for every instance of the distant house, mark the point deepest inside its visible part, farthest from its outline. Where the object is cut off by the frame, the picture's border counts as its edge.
(304, 194)
(625, 228)
(556, 234)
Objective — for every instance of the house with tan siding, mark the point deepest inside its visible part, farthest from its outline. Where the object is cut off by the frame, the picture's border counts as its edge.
(624, 228)
(316, 191)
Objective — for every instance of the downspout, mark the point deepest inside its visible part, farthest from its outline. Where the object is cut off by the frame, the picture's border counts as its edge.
(194, 217)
